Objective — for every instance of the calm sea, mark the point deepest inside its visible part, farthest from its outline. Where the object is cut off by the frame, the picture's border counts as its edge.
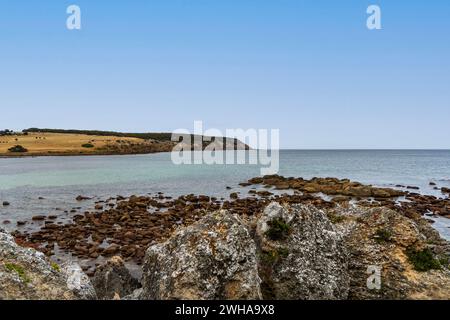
(58, 180)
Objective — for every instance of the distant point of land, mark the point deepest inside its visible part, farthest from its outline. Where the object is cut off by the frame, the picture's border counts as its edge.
(61, 142)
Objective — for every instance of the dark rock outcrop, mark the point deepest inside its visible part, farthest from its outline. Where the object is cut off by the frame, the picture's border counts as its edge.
(113, 280)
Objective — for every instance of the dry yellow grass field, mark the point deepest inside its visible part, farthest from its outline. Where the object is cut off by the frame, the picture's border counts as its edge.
(58, 143)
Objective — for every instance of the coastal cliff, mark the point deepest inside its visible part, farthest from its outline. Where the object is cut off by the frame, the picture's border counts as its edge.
(59, 142)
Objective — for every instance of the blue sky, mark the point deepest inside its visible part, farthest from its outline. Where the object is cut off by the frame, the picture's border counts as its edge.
(309, 68)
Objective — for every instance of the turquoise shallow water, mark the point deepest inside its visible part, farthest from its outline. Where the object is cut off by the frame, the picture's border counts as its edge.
(60, 179)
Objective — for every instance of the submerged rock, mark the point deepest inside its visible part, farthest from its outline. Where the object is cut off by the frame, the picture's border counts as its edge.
(27, 274)
(214, 258)
(82, 198)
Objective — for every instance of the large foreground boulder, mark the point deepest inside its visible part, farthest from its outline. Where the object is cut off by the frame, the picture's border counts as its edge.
(302, 255)
(213, 259)
(27, 274)
(407, 256)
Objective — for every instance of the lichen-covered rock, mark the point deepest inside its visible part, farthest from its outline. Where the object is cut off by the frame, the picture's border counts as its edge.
(302, 255)
(380, 239)
(78, 281)
(26, 274)
(214, 258)
(135, 295)
(113, 279)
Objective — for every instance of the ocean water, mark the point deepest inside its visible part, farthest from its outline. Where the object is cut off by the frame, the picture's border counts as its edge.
(58, 180)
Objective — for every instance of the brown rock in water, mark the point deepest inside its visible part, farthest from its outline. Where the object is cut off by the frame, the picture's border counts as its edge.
(341, 199)
(264, 193)
(282, 186)
(111, 250)
(203, 198)
(257, 180)
(234, 195)
(38, 218)
(245, 184)
(81, 198)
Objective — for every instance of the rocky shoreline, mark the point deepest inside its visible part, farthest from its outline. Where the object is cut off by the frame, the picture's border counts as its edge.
(374, 226)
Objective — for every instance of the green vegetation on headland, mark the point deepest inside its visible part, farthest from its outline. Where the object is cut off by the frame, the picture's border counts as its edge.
(159, 136)
(17, 148)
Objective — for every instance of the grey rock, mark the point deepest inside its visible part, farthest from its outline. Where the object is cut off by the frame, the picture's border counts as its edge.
(78, 281)
(27, 274)
(309, 262)
(214, 258)
(136, 295)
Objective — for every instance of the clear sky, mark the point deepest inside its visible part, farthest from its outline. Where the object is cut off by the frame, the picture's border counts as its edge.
(309, 68)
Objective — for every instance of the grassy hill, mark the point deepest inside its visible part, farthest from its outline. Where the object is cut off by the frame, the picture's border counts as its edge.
(44, 142)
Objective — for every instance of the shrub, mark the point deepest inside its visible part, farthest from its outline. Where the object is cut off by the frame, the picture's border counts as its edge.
(423, 260)
(278, 229)
(11, 267)
(87, 145)
(271, 258)
(334, 218)
(383, 235)
(55, 267)
(17, 148)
